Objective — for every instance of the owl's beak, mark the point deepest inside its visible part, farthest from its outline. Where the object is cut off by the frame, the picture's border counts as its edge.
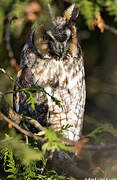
(60, 52)
(60, 49)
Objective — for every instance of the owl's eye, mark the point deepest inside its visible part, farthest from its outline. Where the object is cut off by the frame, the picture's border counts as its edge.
(62, 34)
(49, 36)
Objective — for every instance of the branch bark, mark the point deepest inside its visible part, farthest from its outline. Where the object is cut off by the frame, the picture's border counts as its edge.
(23, 131)
(69, 167)
(111, 29)
(17, 117)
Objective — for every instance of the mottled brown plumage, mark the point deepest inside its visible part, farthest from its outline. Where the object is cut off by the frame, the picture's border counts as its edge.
(53, 60)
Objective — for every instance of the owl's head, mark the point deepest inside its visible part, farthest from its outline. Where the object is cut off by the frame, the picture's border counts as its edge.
(62, 25)
(55, 41)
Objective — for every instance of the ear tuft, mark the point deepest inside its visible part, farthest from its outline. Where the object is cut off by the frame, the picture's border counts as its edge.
(75, 14)
(71, 13)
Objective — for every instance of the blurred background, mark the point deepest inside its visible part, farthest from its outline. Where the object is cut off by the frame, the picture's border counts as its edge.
(97, 34)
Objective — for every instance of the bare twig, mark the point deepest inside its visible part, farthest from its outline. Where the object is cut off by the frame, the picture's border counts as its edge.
(92, 121)
(2, 70)
(10, 77)
(111, 29)
(25, 132)
(17, 117)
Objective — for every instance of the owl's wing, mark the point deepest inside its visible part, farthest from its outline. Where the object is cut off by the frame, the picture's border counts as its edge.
(24, 80)
(21, 106)
(29, 53)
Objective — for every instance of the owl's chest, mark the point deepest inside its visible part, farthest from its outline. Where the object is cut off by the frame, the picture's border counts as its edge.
(58, 74)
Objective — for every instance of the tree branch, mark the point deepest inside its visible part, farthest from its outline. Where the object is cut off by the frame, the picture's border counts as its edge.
(111, 29)
(16, 117)
(2, 70)
(23, 131)
(69, 166)
(105, 147)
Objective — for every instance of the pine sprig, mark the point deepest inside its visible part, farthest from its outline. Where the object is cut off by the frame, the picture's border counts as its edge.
(53, 141)
(32, 92)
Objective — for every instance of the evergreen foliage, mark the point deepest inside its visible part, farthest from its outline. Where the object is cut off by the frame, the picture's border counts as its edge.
(89, 8)
(21, 161)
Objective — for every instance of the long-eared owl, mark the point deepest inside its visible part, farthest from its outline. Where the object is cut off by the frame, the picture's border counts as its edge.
(52, 58)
